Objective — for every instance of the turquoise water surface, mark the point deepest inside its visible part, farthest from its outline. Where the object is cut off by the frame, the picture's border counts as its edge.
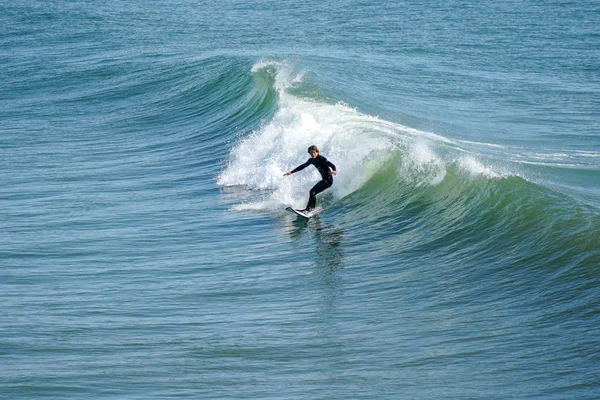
(145, 250)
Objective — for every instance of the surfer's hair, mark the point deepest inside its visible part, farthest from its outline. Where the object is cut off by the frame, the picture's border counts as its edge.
(313, 147)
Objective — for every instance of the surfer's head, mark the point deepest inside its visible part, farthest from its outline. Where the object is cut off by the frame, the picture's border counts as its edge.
(313, 151)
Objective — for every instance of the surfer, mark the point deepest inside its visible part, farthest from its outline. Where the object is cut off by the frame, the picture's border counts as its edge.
(325, 168)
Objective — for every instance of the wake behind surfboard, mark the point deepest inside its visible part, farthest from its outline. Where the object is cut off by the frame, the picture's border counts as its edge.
(298, 212)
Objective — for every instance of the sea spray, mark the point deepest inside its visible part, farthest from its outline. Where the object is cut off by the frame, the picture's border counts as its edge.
(259, 160)
(359, 145)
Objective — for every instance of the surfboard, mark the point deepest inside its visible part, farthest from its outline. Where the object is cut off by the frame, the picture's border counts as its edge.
(298, 212)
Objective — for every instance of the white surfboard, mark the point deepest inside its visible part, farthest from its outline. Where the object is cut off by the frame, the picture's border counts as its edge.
(298, 212)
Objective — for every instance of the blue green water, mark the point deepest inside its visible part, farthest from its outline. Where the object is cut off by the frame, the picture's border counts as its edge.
(145, 250)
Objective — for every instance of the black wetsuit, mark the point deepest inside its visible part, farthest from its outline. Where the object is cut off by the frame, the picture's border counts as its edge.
(322, 166)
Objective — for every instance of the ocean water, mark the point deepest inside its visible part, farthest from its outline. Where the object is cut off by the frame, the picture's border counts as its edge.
(145, 250)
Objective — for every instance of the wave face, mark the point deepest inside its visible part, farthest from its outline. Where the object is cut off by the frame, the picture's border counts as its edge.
(451, 195)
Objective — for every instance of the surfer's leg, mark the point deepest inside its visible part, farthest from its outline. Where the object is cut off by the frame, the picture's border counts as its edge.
(318, 188)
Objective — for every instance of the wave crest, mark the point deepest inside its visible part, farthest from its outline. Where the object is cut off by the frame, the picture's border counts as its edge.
(359, 145)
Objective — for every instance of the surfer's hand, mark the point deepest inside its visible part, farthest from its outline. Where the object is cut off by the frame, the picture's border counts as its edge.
(334, 172)
(287, 173)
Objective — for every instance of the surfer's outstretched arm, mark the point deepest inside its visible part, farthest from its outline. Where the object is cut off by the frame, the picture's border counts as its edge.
(298, 168)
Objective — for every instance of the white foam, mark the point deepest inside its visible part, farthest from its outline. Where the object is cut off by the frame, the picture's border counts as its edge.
(493, 145)
(421, 165)
(253, 206)
(346, 137)
(285, 76)
(584, 153)
(260, 160)
(358, 144)
(474, 167)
